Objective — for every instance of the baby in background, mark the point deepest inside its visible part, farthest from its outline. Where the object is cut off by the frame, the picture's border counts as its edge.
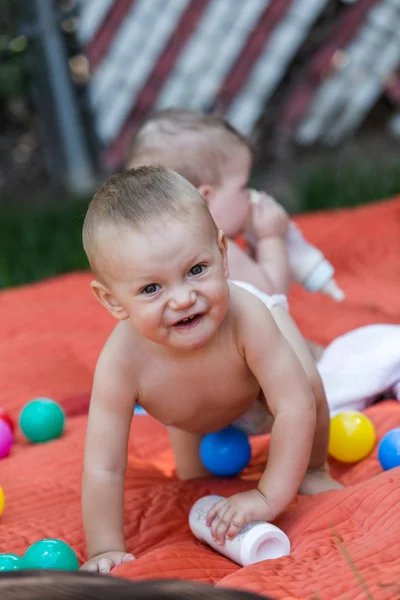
(218, 161)
(196, 351)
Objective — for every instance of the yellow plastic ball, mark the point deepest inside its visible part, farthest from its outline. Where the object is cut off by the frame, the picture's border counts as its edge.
(352, 436)
(2, 501)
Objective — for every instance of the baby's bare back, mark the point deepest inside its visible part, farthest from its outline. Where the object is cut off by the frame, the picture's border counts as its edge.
(197, 392)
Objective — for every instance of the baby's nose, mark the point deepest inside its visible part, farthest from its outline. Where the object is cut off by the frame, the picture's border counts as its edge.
(182, 298)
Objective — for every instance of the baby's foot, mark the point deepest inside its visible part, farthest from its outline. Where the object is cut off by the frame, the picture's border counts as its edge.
(318, 480)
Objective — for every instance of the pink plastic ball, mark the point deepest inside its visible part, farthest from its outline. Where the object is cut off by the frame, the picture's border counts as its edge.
(6, 439)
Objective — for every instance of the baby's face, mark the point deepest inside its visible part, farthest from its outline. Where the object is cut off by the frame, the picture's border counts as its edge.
(172, 281)
(230, 204)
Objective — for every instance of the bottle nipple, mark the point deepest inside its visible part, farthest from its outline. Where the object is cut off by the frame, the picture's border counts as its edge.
(332, 289)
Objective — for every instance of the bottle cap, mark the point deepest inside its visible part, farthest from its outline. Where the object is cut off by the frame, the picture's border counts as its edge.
(263, 541)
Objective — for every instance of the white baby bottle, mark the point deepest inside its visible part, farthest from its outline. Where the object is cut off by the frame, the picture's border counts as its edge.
(308, 266)
(257, 541)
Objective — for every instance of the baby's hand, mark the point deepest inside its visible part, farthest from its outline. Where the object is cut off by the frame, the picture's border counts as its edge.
(269, 219)
(103, 563)
(229, 515)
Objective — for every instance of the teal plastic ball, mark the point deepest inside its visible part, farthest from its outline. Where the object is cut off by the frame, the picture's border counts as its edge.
(42, 420)
(51, 554)
(11, 562)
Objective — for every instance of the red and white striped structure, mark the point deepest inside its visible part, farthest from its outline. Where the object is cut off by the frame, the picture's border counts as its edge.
(231, 55)
(153, 54)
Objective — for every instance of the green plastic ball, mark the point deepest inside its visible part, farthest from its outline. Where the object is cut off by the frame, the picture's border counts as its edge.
(11, 562)
(42, 420)
(51, 554)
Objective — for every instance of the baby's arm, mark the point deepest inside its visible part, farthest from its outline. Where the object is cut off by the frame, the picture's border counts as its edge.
(268, 231)
(110, 416)
(291, 401)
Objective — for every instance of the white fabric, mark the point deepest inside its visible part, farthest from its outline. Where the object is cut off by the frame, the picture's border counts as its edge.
(361, 365)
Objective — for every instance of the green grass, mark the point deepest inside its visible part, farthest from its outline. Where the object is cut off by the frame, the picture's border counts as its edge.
(355, 183)
(35, 244)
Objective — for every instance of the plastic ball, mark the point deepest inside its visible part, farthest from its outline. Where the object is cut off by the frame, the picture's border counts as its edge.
(2, 502)
(4, 416)
(352, 436)
(51, 554)
(42, 420)
(389, 450)
(11, 562)
(225, 453)
(6, 439)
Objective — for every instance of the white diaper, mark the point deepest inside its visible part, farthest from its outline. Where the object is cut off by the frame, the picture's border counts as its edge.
(257, 419)
(269, 301)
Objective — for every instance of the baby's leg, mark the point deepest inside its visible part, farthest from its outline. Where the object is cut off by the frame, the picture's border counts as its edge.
(317, 478)
(186, 449)
(316, 349)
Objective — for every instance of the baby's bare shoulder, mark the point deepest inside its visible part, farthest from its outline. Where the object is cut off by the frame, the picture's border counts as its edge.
(250, 314)
(116, 384)
(121, 352)
(243, 302)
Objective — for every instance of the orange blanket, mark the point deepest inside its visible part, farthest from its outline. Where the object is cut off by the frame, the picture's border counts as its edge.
(51, 334)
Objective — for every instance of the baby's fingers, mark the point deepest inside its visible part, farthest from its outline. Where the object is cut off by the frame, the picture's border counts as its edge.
(238, 521)
(127, 558)
(224, 525)
(259, 210)
(105, 565)
(92, 567)
(212, 513)
(220, 517)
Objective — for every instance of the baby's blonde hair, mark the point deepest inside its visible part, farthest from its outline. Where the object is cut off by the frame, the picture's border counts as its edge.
(134, 198)
(195, 145)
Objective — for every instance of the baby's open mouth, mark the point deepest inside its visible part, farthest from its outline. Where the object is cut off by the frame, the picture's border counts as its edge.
(188, 321)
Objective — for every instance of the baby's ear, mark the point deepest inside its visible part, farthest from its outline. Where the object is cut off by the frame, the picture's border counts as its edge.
(105, 297)
(207, 192)
(223, 248)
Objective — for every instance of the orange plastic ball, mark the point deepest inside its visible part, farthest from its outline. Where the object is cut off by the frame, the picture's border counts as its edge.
(352, 436)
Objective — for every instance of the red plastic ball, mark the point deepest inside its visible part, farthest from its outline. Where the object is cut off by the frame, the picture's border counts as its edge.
(4, 416)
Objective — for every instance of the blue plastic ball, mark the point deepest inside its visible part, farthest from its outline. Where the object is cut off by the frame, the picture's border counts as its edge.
(225, 453)
(389, 449)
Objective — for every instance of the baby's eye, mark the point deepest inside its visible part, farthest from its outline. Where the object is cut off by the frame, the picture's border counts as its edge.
(197, 270)
(150, 289)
